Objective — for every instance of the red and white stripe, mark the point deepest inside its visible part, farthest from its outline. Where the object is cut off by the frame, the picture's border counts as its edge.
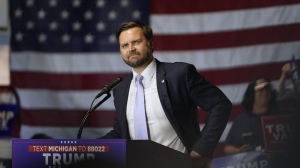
(229, 42)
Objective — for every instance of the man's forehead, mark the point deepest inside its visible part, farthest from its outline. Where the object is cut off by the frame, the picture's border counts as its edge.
(129, 35)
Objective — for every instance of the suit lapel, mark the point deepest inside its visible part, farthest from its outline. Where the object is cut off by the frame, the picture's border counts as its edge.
(124, 95)
(162, 89)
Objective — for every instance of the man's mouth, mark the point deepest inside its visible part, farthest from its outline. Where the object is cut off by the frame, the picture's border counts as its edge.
(133, 55)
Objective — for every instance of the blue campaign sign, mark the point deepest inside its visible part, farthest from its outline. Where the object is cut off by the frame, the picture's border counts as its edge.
(255, 159)
(60, 153)
(8, 113)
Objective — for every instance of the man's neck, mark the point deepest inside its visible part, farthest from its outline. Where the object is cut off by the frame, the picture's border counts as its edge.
(139, 70)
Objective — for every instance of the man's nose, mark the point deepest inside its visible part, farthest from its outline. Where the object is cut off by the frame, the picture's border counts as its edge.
(131, 47)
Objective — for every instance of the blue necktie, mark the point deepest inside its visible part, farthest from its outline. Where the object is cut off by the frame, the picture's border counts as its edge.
(140, 122)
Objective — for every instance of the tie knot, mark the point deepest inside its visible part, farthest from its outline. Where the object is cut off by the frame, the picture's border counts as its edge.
(139, 78)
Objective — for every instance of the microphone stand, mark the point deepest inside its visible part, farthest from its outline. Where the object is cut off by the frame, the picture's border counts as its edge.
(90, 112)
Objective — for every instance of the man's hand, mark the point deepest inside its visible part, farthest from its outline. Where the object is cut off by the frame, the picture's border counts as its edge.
(198, 160)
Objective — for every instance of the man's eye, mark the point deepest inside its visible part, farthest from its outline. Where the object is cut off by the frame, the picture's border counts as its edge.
(136, 42)
(124, 46)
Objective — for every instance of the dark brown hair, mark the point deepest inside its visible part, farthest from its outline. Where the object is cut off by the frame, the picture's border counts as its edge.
(249, 96)
(147, 30)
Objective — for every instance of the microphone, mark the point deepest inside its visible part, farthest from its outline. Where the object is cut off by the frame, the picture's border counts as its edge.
(108, 88)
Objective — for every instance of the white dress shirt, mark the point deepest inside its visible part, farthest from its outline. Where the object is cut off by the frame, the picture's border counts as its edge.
(161, 131)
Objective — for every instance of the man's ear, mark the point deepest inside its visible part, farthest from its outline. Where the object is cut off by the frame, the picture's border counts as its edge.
(151, 45)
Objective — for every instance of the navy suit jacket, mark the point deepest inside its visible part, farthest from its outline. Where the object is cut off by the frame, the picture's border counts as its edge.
(181, 90)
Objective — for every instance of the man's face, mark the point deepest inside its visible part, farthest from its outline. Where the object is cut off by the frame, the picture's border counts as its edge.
(135, 49)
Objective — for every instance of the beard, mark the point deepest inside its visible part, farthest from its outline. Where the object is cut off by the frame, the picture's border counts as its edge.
(145, 57)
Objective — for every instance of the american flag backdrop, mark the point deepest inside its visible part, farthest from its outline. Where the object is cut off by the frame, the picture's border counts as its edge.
(64, 51)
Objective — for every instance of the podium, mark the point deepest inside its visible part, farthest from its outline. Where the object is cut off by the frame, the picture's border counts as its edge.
(92, 153)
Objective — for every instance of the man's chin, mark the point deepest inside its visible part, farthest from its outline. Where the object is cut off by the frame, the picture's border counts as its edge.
(133, 63)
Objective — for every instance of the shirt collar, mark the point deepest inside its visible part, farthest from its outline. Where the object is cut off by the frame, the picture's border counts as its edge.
(148, 72)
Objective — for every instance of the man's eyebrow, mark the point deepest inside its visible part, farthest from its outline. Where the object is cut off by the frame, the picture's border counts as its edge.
(131, 41)
(123, 43)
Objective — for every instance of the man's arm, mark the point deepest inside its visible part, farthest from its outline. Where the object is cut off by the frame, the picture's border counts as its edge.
(211, 99)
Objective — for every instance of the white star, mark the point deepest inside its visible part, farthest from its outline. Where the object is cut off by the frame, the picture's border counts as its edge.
(124, 3)
(19, 36)
(53, 3)
(64, 14)
(89, 38)
(112, 15)
(100, 3)
(53, 25)
(29, 3)
(30, 25)
(100, 26)
(76, 26)
(76, 3)
(88, 15)
(18, 13)
(42, 38)
(41, 14)
(136, 14)
(112, 38)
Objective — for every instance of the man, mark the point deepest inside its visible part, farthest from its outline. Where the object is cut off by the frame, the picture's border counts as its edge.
(172, 93)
